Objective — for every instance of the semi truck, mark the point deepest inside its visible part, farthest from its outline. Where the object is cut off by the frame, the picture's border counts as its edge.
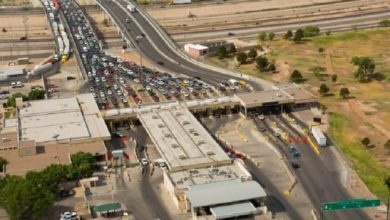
(318, 135)
(131, 8)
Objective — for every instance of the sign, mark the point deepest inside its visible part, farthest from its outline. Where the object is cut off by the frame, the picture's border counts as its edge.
(350, 204)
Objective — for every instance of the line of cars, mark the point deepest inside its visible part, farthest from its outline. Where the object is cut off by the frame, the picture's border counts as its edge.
(113, 80)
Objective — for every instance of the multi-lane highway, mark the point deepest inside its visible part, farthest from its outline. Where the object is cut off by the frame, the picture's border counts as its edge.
(334, 24)
(155, 49)
(318, 174)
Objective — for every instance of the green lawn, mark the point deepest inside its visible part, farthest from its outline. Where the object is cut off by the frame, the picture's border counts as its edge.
(370, 170)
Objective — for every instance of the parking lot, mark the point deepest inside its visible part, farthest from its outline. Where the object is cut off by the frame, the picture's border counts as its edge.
(117, 83)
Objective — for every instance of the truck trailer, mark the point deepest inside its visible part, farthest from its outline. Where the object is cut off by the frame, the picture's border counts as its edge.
(318, 135)
(131, 8)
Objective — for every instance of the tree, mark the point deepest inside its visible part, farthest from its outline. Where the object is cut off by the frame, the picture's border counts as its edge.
(262, 36)
(252, 53)
(344, 93)
(387, 183)
(4, 30)
(262, 63)
(271, 36)
(3, 162)
(222, 52)
(323, 89)
(311, 31)
(298, 36)
(272, 67)
(387, 145)
(232, 49)
(241, 57)
(365, 141)
(82, 165)
(105, 22)
(296, 76)
(288, 35)
(36, 94)
(24, 199)
(384, 23)
(366, 67)
(334, 78)
(321, 49)
(11, 100)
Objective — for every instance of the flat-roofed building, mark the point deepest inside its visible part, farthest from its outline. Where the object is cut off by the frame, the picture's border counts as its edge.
(49, 131)
(177, 183)
(181, 140)
(226, 199)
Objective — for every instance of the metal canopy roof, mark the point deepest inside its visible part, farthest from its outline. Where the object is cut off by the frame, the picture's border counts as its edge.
(223, 192)
(234, 210)
(107, 207)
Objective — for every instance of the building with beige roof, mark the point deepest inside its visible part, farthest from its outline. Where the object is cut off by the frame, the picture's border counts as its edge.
(49, 131)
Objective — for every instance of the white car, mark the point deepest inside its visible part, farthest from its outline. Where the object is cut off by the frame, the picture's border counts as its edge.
(138, 37)
(109, 92)
(69, 216)
(261, 117)
(144, 161)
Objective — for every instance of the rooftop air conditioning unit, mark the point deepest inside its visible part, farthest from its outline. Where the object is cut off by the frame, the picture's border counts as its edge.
(222, 172)
(167, 135)
(184, 122)
(174, 145)
(154, 116)
(161, 125)
(178, 114)
(210, 152)
(201, 141)
(191, 130)
(193, 171)
(182, 156)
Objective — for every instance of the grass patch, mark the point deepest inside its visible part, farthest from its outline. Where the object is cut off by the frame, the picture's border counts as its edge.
(8, 114)
(369, 169)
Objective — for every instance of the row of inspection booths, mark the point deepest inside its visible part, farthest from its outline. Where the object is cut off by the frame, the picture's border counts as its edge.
(284, 95)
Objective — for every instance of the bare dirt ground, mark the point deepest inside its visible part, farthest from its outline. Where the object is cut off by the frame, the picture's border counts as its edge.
(223, 15)
(13, 27)
(283, 71)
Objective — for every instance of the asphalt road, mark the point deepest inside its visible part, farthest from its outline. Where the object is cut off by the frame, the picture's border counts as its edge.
(319, 180)
(172, 62)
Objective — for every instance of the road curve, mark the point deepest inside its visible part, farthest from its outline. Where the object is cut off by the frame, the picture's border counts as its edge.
(155, 49)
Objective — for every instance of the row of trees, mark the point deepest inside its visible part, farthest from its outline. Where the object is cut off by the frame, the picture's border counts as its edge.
(263, 36)
(223, 52)
(308, 31)
(28, 197)
(34, 94)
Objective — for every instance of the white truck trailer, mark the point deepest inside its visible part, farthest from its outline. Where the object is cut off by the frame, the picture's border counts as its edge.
(318, 135)
(131, 7)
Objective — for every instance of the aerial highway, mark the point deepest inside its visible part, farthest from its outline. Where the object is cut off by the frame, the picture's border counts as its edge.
(155, 49)
(333, 24)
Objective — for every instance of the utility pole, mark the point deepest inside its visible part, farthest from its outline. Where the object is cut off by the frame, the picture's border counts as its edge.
(25, 19)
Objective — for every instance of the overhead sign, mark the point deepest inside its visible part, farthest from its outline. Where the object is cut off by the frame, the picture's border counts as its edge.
(350, 204)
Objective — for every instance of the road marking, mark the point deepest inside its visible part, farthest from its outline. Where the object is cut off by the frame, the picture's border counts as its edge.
(243, 137)
(313, 146)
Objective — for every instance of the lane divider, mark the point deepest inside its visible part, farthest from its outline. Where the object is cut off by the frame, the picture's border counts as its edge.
(313, 146)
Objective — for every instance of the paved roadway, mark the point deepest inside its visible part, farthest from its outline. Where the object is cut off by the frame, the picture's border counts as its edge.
(172, 61)
(334, 24)
(318, 174)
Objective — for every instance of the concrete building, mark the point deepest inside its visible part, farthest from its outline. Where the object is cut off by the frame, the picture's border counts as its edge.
(226, 199)
(8, 73)
(50, 131)
(196, 50)
(177, 183)
(181, 140)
